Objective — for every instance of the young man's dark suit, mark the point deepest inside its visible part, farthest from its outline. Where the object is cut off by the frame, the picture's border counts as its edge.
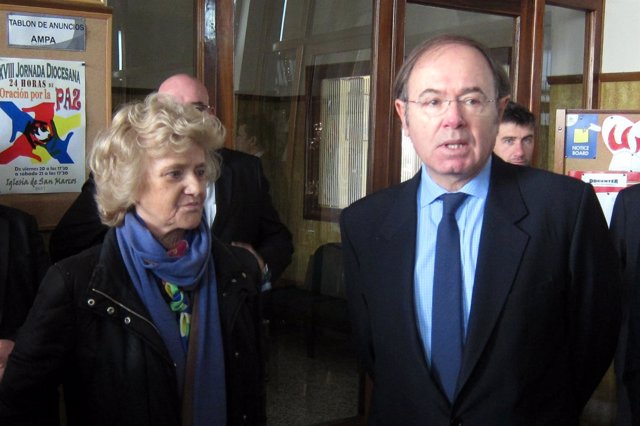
(545, 311)
(244, 213)
(23, 263)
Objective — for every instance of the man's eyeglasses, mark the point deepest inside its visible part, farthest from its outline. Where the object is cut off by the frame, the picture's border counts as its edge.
(470, 104)
(202, 107)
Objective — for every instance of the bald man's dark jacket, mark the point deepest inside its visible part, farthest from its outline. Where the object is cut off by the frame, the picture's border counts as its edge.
(244, 213)
(544, 317)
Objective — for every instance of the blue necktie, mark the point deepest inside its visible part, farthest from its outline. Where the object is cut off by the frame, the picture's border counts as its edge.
(447, 327)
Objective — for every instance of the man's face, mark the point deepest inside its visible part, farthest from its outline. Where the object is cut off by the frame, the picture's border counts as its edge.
(514, 144)
(455, 145)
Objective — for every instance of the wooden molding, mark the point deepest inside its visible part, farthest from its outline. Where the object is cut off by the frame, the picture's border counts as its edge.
(98, 6)
(613, 77)
(564, 79)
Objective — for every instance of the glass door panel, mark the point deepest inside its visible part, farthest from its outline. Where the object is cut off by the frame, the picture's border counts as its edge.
(301, 94)
(562, 74)
(152, 39)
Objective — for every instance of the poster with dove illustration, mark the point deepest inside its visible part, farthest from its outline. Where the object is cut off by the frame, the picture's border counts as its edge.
(42, 126)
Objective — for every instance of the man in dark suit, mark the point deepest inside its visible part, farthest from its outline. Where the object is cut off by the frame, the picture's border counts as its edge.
(534, 293)
(626, 238)
(242, 208)
(23, 263)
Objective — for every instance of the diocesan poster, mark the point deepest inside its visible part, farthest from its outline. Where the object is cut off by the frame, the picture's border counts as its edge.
(42, 126)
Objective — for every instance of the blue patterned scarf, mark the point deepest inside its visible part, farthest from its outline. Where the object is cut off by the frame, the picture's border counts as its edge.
(200, 372)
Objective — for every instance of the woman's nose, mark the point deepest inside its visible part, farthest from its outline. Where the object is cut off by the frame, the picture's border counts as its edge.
(194, 184)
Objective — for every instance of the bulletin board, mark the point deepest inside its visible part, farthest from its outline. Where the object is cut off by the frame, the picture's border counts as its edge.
(95, 59)
(600, 147)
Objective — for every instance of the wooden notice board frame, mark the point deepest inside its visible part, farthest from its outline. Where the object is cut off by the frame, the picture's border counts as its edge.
(49, 208)
(601, 147)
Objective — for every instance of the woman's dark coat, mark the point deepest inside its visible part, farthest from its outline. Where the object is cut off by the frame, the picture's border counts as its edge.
(89, 330)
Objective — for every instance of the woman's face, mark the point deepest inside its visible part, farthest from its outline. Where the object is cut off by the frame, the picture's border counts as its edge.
(171, 198)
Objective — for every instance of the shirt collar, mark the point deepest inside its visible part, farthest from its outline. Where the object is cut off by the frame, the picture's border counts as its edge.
(478, 187)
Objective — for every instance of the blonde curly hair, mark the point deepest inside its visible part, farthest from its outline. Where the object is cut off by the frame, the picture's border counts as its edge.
(153, 128)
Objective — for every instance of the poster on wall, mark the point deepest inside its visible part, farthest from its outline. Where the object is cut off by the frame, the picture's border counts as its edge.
(42, 126)
(602, 148)
(582, 132)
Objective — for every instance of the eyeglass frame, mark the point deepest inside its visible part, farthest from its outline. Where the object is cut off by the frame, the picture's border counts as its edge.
(202, 107)
(460, 100)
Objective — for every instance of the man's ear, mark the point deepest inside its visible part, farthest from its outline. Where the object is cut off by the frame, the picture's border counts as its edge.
(401, 110)
(502, 104)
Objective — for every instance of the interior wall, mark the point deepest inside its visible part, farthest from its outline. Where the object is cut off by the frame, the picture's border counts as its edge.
(621, 36)
(620, 95)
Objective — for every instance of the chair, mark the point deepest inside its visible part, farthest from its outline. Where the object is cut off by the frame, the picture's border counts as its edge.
(325, 282)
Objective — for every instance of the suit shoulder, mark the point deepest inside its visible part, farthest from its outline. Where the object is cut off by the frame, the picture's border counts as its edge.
(233, 158)
(627, 202)
(16, 216)
(631, 192)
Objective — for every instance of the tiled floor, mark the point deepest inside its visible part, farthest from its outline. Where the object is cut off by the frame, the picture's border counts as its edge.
(310, 391)
(322, 390)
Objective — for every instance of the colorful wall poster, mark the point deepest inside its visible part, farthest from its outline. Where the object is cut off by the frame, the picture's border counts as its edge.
(42, 126)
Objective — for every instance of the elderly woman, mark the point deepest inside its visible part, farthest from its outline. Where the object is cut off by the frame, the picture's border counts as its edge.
(159, 325)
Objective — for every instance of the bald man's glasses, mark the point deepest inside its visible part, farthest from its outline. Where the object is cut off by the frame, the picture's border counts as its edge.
(202, 107)
(435, 106)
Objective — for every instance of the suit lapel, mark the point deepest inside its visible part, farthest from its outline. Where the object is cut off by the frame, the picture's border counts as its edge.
(495, 274)
(398, 235)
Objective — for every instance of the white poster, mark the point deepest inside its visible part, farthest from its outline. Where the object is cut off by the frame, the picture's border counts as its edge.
(42, 126)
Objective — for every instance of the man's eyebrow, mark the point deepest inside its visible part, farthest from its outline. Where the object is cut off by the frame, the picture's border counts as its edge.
(465, 91)
(429, 91)
(468, 90)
